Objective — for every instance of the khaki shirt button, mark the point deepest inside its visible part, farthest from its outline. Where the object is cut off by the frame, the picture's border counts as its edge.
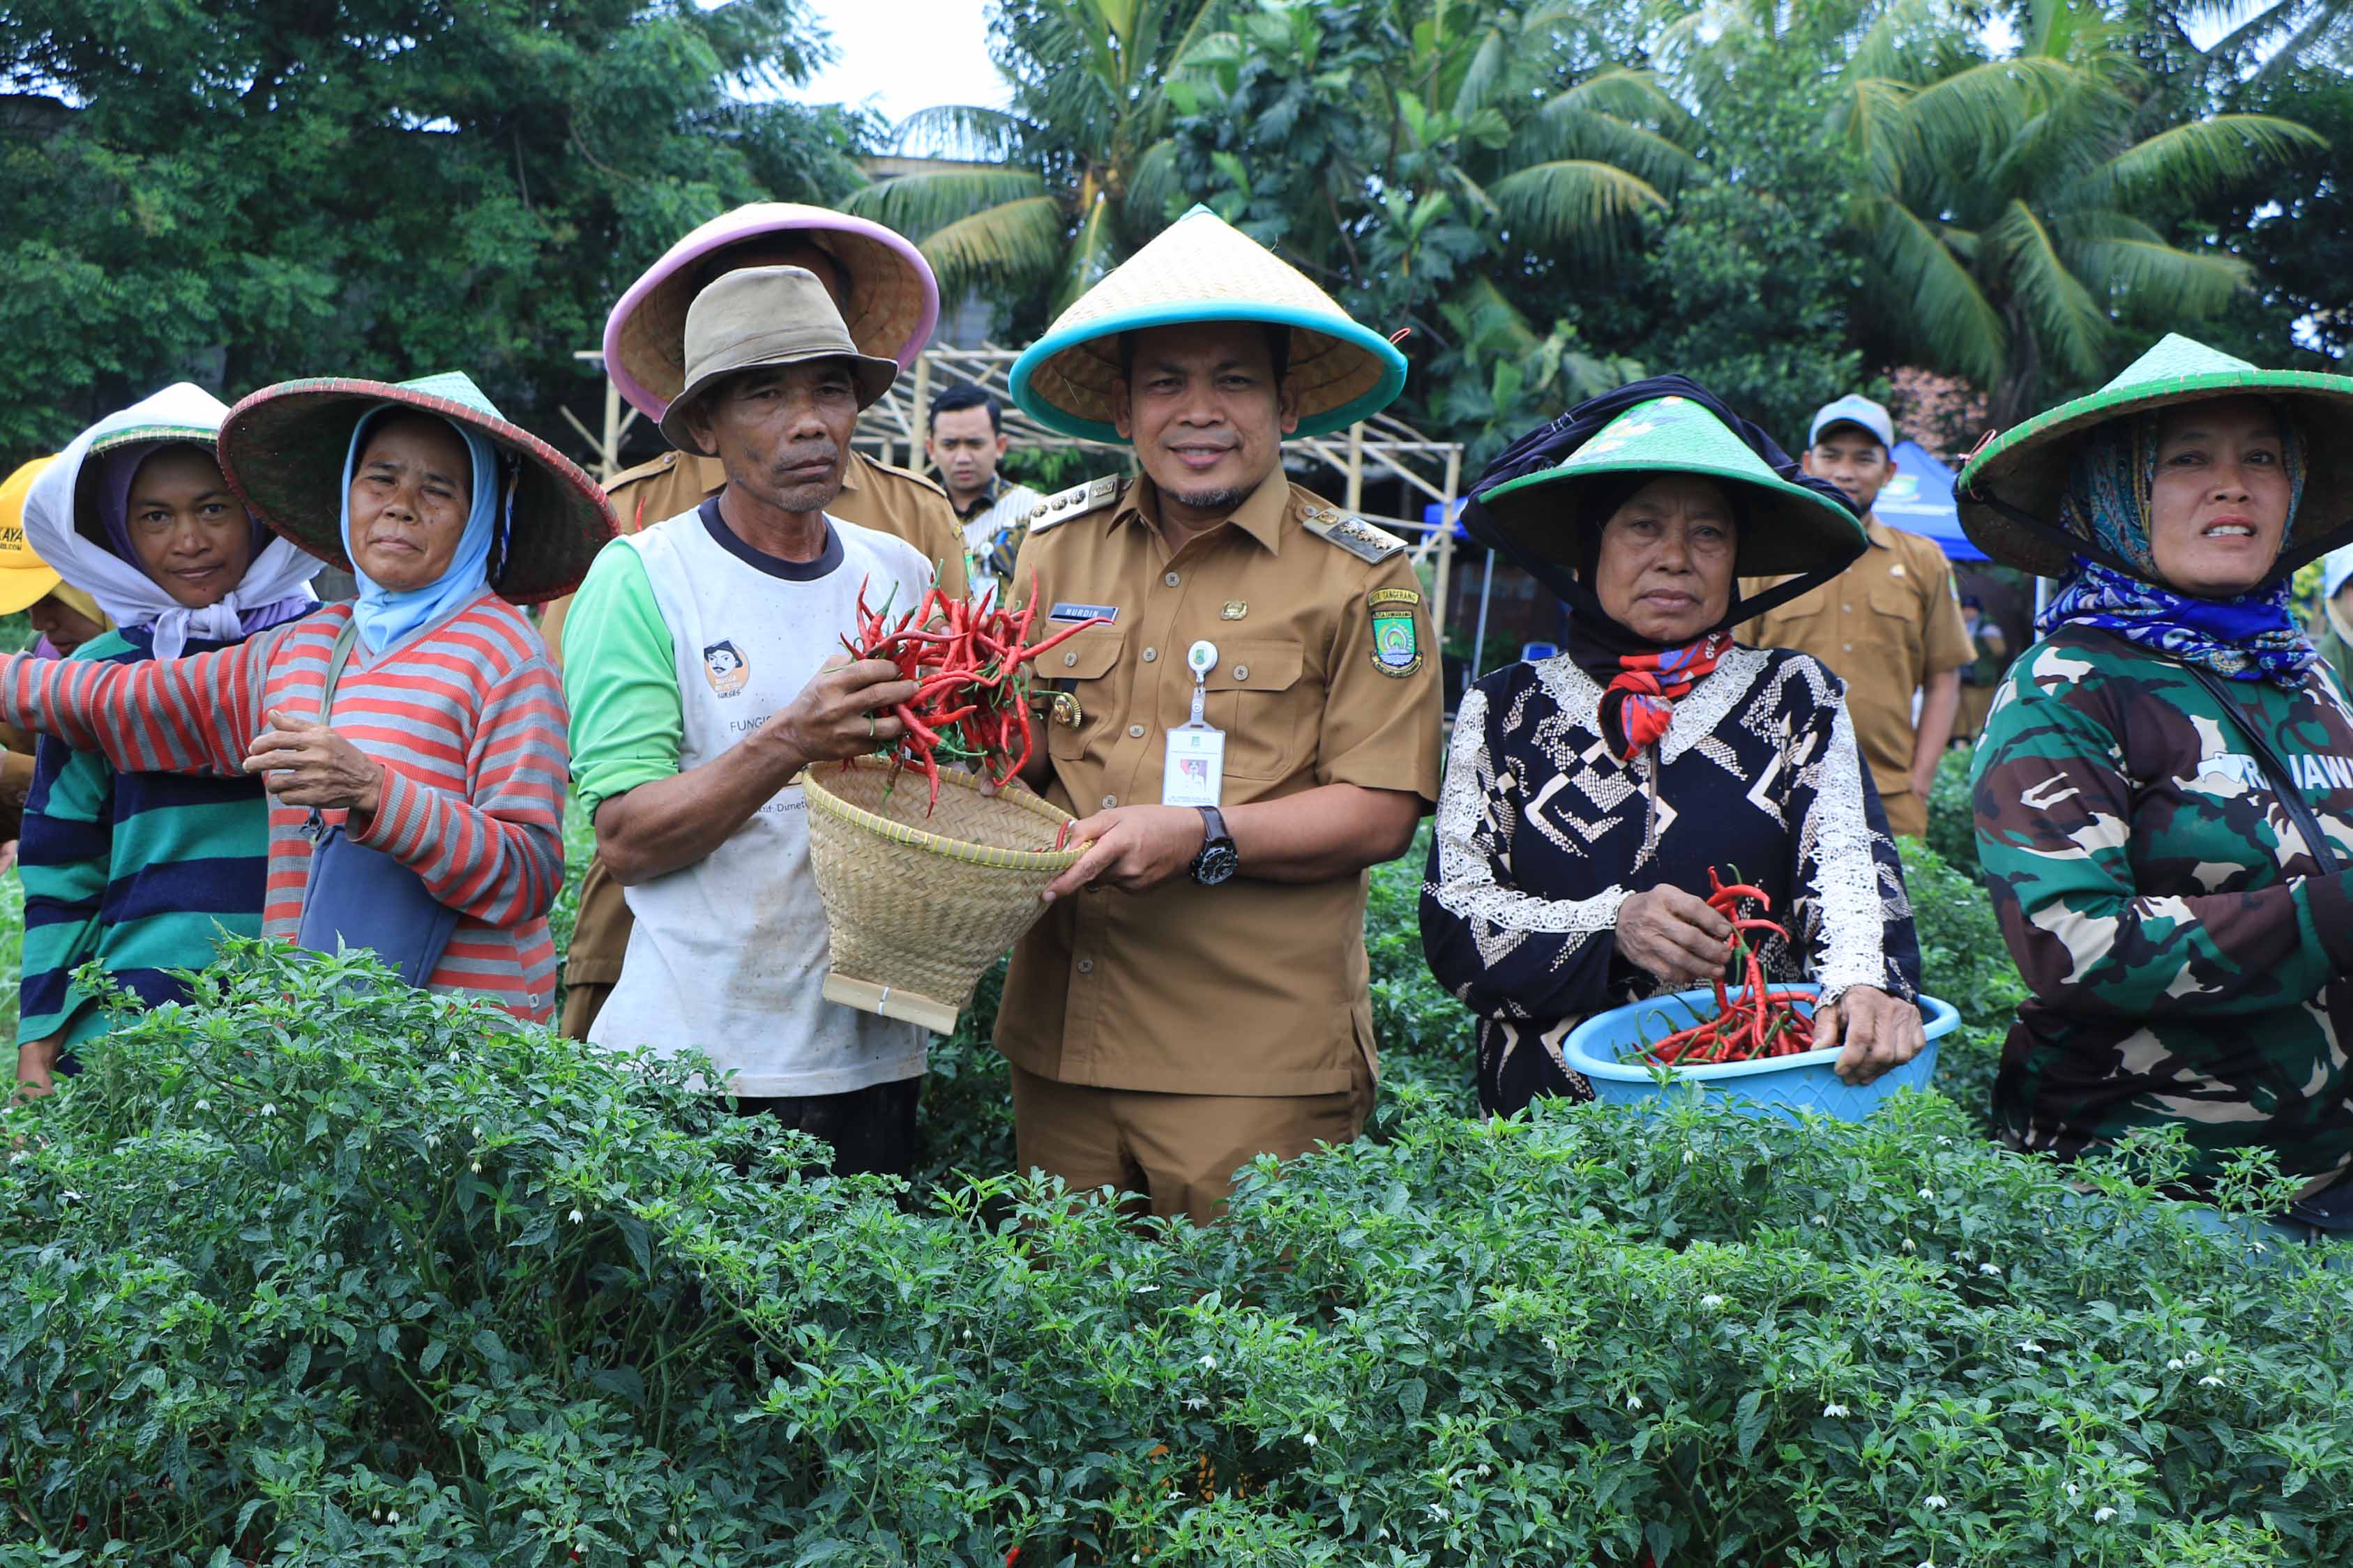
(1135, 731)
(1150, 654)
(1109, 801)
(1086, 966)
(1848, 608)
(1172, 579)
(1848, 647)
(1242, 672)
(1069, 658)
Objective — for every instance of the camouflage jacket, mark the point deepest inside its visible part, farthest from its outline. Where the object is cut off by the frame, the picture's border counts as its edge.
(2187, 957)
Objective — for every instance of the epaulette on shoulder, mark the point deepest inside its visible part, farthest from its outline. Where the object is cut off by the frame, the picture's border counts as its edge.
(895, 471)
(1354, 534)
(1079, 499)
(652, 469)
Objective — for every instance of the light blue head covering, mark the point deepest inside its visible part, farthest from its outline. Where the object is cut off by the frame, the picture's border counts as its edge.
(386, 614)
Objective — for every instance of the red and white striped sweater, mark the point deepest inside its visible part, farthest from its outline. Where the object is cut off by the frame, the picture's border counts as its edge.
(467, 717)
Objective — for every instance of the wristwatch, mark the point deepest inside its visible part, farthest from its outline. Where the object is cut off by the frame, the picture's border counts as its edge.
(1216, 861)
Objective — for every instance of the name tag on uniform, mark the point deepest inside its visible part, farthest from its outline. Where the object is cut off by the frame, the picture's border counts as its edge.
(1193, 772)
(1084, 613)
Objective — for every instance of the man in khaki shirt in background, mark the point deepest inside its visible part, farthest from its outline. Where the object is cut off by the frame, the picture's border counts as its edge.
(1888, 626)
(886, 293)
(1196, 995)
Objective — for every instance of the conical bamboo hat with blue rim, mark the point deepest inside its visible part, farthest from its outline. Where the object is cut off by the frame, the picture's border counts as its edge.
(1790, 528)
(2023, 470)
(282, 449)
(1202, 268)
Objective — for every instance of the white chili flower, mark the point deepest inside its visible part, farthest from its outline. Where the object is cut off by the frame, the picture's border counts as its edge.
(1834, 1411)
(2102, 1515)
(1711, 1300)
(2030, 1347)
(476, 1167)
(577, 1216)
(2072, 1493)
(1989, 1268)
(392, 1517)
(1484, 1471)
(1687, 1156)
(2209, 1381)
(203, 1105)
(1209, 1363)
(269, 1111)
(2192, 1357)
(1438, 1510)
(1933, 1501)
(1633, 1403)
(433, 1140)
(1310, 1439)
(2176, 1364)
(1145, 1289)
(1820, 1220)
(1196, 1401)
(1928, 1191)
(1907, 1244)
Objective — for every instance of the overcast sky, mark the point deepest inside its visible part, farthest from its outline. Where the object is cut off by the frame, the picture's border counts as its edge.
(900, 56)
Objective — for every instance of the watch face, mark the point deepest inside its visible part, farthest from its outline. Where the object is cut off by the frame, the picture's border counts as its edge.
(1215, 864)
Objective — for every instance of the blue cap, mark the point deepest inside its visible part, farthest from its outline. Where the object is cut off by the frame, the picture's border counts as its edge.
(1853, 410)
(2334, 567)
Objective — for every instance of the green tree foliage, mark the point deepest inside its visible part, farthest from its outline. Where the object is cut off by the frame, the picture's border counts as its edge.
(239, 192)
(1062, 184)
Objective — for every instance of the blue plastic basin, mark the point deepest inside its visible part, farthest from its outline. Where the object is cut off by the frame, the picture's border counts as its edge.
(1787, 1084)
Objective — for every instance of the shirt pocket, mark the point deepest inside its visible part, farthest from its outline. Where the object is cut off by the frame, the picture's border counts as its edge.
(1894, 623)
(1083, 668)
(1256, 697)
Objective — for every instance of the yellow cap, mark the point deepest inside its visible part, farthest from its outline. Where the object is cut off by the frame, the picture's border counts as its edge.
(25, 579)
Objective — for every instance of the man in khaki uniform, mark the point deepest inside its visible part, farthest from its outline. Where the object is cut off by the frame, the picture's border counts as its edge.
(1888, 627)
(886, 293)
(1196, 994)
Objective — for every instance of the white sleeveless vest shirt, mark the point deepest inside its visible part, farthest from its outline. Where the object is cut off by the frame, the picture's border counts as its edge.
(728, 954)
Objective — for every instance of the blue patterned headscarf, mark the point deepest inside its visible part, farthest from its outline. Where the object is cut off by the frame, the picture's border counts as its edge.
(2109, 481)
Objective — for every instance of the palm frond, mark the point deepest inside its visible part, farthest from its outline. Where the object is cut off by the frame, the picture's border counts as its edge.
(2179, 285)
(1016, 245)
(2202, 159)
(1920, 278)
(1572, 204)
(2069, 324)
(963, 130)
(1972, 113)
(1093, 253)
(921, 205)
(1485, 68)
(1555, 133)
(1152, 189)
(1627, 93)
(1872, 116)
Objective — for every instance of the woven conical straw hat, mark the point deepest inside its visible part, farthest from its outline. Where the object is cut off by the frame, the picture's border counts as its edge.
(282, 449)
(1792, 529)
(894, 300)
(1202, 268)
(2026, 466)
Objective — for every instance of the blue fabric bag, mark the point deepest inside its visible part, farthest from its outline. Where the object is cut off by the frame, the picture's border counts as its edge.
(358, 897)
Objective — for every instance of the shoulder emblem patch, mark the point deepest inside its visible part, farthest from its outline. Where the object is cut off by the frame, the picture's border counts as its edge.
(1397, 635)
(1353, 535)
(1060, 508)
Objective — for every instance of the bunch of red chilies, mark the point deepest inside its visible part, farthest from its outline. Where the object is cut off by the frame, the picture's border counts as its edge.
(967, 655)
(1764, 1023)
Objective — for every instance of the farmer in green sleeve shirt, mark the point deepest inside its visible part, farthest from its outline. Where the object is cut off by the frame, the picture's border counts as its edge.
(704, 670)
(2163, 793)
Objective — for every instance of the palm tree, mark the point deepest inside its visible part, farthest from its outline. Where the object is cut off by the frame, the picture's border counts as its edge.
(2009, 205)
(1062, 184)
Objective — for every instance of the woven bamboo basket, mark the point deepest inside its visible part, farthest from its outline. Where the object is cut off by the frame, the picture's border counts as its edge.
(919, 907)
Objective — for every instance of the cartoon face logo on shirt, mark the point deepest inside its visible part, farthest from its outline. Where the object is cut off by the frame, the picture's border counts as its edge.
(723, 666)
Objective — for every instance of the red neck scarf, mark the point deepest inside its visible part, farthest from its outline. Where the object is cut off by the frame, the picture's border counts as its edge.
(1639, 703)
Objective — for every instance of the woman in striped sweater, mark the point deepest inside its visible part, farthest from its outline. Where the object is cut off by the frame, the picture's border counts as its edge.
(419, 729)
(142, 872)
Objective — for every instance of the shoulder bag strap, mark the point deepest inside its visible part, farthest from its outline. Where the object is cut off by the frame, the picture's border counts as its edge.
(2291, 798)
(338, 656)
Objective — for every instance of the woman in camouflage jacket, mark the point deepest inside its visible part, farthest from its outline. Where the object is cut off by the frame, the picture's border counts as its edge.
(2144, 768)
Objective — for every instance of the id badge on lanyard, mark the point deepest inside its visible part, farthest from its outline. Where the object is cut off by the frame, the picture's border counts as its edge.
(1194, 772)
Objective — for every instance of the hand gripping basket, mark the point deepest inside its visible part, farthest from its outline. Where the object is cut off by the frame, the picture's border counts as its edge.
(919, 907)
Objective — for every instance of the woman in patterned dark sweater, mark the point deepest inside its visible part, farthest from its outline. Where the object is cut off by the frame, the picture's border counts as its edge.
(1587, 795)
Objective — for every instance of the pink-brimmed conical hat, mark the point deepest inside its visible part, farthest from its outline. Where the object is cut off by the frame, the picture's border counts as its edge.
(894, 300)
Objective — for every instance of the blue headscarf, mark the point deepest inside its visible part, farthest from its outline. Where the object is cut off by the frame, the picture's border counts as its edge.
(2250, 637)
(386, 614)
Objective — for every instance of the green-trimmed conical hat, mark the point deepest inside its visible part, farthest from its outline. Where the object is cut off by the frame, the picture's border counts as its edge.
(1202, 268)
(1791, 529)
(282, 449)
(2024, 469)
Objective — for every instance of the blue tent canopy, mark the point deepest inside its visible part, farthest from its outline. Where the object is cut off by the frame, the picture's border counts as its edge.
(1919, 500)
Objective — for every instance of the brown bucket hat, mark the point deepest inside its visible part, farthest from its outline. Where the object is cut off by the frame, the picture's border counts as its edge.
(765, 316)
